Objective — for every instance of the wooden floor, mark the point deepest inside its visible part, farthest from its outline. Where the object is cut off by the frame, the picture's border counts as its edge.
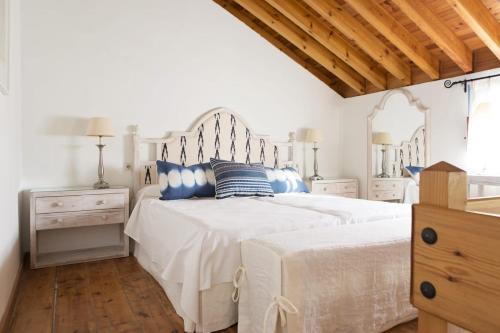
(106, 296)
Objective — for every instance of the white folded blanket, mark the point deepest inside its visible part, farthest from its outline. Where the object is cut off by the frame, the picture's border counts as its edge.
(349, 278)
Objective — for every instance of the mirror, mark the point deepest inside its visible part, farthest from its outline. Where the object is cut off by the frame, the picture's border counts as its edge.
(397, 136)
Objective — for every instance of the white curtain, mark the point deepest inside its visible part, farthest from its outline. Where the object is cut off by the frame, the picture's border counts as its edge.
(483, 145)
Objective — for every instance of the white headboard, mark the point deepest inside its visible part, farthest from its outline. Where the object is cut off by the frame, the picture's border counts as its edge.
(409, 153)
(219, 133)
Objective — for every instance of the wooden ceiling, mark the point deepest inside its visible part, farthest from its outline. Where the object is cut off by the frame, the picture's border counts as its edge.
(363, 46)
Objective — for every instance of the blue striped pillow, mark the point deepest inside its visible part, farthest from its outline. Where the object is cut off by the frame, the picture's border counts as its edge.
(240, 180)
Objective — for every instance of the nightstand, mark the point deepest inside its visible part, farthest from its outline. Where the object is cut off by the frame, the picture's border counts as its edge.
(72, 209)
(340, 187)
(387, 189)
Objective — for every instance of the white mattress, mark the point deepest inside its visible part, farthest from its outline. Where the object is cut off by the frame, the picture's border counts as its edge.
(348, 209)
(350, 278)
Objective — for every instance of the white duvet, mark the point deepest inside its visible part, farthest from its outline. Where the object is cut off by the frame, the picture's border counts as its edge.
(349, 210)
(196, 242)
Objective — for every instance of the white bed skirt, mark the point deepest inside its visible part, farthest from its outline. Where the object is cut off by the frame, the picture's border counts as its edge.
(218, 311)
(341, 279)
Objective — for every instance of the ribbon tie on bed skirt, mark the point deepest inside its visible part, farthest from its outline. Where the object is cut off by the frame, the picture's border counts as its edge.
(238, 278)
(284, 306)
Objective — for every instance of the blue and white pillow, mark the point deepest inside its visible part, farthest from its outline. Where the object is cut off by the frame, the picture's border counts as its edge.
(240, 180)
(179, 182)
(414, 172)
(286, 180)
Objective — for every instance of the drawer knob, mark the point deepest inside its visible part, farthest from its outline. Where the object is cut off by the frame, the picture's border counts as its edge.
(101, 202)
(324, 189)
(59, 204)
(429, 236)
(376, 195)
(428, 290)
(104, 217)
(59, 220)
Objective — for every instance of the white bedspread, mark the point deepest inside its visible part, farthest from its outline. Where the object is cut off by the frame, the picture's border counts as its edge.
(349, 210)
(349, 278)
(196, 242)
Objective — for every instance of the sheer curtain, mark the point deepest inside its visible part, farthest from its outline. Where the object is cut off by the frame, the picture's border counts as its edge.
(483, 145)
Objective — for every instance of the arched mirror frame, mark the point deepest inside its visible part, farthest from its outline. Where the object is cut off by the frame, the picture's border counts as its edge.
(412, 101)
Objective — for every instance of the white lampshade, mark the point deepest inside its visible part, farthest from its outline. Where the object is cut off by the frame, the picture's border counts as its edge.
(314, 135)
(100, 126)
(382, 138)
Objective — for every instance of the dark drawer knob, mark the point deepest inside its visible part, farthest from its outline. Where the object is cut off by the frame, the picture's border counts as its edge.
(428, 290)
(429, 236)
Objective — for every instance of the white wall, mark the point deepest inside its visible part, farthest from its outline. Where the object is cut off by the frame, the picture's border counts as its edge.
(158, 64)
(448, 125)
(10, 168)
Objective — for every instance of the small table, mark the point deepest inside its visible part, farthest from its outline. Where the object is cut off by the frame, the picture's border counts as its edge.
(74, 208)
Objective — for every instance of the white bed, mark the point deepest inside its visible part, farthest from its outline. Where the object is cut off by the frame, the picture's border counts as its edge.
(192, 247)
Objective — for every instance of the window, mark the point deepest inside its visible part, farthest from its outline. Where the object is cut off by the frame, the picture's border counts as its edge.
(483, 145)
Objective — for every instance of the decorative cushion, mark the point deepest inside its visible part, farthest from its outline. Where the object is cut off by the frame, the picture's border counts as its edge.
(240, 180)
(414, 172)
(179, 182)
(286, 180)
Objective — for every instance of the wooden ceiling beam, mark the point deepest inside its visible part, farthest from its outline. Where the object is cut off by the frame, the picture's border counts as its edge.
(239, 13)
(348, 25)
(397, 34)
(330, 39)
(287, 29)
(438, 32)
(477, 16)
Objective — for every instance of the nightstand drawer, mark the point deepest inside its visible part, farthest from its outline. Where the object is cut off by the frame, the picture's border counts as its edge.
(325, 188)
(386, 185)
(347, 187)
(79, 203)
(79, 219)
(388, 195)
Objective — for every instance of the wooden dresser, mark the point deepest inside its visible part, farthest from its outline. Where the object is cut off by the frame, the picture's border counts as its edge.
(73, 208)
(387, 189)
(339, 187)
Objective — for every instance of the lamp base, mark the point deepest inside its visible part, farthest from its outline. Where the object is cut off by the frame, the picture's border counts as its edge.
(101, 184)
(316, 177)
(383, 175)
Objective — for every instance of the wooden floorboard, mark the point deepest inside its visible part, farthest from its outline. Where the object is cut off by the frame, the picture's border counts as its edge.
(114, 295)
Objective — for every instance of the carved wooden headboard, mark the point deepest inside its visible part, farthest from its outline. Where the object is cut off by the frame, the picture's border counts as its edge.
(219, 133)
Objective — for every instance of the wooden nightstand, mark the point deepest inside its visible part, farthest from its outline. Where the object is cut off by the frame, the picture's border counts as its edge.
(72, 208)
(340, 187)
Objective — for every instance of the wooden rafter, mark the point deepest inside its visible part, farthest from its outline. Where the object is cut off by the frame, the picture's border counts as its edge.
(334, 14)
(251, 22)
(481, 21)
(279, 23)
(391, 29)
(295, 12)
(438, 32)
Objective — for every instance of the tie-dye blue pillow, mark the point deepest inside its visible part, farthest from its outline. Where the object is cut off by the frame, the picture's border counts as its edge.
(286, 180)
(179, 182)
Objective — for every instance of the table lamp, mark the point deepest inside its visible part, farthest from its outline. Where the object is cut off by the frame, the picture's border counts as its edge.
(384, 139)
(314, 135)
(100, 127)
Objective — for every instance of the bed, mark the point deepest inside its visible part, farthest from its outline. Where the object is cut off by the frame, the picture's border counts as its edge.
(193, 247)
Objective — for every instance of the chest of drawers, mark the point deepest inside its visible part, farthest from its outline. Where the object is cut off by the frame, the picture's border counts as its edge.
(73, 208)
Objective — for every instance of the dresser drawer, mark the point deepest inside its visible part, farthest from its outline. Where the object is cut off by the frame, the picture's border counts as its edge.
(79, 219)
(386, 185)
(347, 187)
(75, 203)
(387, 195)
(325, 188)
